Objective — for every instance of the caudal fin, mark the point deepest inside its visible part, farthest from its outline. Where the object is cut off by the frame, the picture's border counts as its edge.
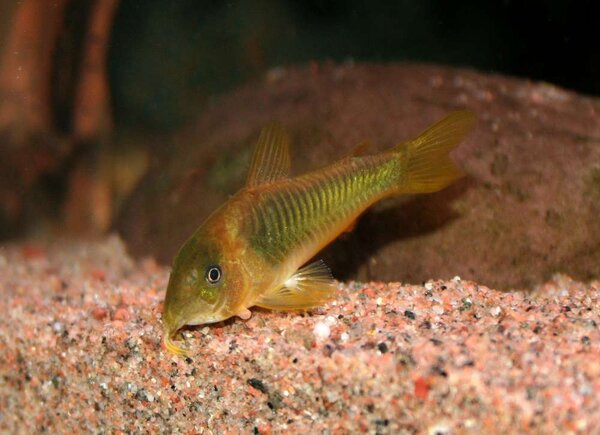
(428, 167)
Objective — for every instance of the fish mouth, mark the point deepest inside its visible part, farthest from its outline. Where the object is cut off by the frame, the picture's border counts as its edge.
(205, 320)
(171, 330)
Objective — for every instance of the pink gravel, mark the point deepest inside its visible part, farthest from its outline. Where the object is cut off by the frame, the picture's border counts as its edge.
(80, 350)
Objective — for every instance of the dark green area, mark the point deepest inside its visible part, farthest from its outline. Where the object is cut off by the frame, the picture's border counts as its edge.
(290, 216)
(168, 59)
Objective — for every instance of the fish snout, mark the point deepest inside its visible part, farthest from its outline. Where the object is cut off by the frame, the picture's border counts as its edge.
(178, 313)
(174, 318)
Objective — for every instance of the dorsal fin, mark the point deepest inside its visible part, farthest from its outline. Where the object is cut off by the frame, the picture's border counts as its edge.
(271, 158)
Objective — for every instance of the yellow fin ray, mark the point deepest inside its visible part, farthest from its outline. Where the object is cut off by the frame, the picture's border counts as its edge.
(271, 158)
(309, 287)
(428, 166)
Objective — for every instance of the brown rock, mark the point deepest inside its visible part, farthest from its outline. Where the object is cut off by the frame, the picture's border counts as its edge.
(527, 209)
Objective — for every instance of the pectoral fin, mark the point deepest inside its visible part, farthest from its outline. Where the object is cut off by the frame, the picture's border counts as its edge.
(271, 158)
(309, 287)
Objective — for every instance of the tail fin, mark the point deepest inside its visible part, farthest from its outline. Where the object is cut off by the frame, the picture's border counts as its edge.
(428, 167)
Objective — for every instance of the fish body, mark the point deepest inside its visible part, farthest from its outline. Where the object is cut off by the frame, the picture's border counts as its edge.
(251, 250)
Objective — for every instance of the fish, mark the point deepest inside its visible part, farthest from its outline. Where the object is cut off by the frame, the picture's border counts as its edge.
(253, 250)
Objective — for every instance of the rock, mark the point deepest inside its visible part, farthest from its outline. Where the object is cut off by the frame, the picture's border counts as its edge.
(527, 209)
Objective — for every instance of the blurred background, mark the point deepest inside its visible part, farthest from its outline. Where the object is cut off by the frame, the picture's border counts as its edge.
(166, 56)
(87, 86)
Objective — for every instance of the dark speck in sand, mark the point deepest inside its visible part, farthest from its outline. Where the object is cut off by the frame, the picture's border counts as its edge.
(328, 350)
(233, 346)
(382, 347)
(439, 370)
(466, 304)
(410, 314)
(382, 422)
(436, 341)
(141, 395)
(275, 401)
(259, 385)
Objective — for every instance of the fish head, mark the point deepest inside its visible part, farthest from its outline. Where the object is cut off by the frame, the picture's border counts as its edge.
(203, 284)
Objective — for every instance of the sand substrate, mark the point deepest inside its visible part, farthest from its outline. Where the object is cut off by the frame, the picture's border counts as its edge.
(80, 350)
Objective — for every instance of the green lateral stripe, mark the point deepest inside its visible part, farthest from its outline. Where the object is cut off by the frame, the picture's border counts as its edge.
(306, 207)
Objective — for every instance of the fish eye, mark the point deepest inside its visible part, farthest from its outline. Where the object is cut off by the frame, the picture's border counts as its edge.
(213, 274)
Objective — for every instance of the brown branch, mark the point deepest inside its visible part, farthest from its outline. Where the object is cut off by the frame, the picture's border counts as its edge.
(92, 115)
(25, 67)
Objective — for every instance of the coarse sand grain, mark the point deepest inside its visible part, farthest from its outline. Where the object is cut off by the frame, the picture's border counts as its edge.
(81, 350)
